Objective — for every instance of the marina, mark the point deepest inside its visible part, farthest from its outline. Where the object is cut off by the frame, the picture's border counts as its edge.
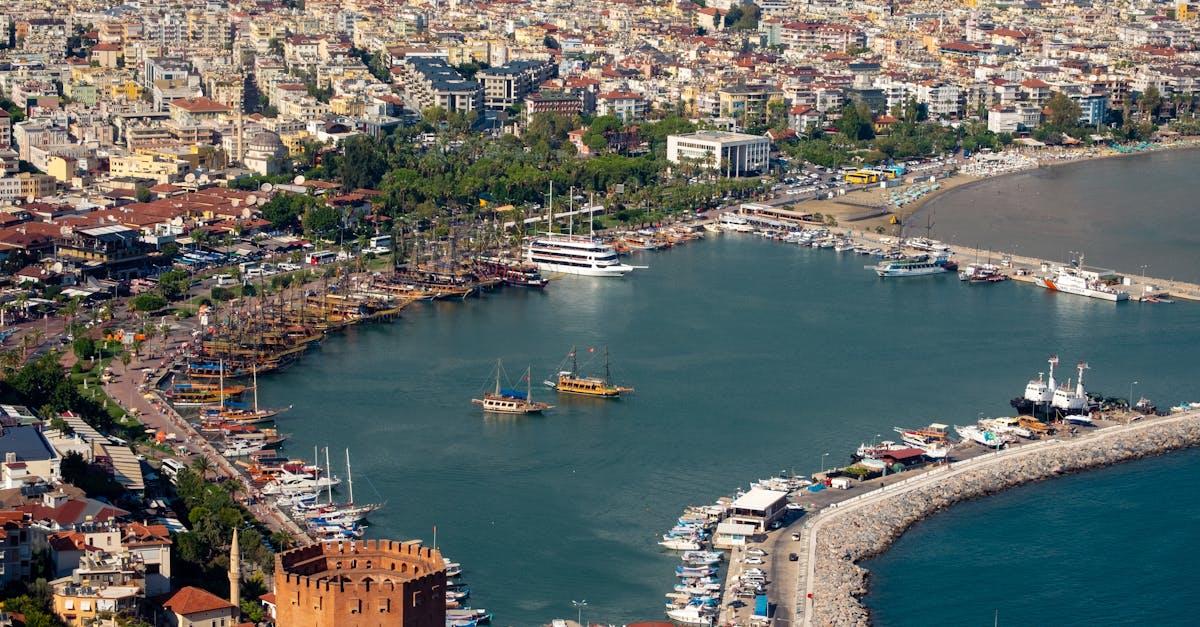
(434, 449)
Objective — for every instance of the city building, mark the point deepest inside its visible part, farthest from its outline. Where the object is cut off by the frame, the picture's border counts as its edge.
(509, 84)
(356, 584)
(758, 508)
(430, 82)
(265, 153)
(193, 607)
(730, 154)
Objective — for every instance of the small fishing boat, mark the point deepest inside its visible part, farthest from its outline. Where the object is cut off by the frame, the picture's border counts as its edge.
(511, 401)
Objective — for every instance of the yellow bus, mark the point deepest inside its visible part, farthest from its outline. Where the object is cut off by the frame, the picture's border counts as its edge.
(862, 177)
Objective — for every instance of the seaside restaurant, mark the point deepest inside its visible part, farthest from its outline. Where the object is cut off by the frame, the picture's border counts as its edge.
(758, 507)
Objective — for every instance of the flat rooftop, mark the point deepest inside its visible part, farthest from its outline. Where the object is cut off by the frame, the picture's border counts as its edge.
(758, 499)
(721, 136)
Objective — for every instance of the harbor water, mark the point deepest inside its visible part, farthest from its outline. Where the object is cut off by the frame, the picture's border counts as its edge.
(1122, 213)
(748, 357)
(1107, 547)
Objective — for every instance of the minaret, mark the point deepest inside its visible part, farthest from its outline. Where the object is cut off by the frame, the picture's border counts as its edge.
(235, 571)
(241, 138)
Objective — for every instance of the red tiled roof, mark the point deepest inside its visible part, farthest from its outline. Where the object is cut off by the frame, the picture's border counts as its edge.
(191, 600)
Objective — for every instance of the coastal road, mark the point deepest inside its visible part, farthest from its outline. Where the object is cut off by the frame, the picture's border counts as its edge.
(813, 528)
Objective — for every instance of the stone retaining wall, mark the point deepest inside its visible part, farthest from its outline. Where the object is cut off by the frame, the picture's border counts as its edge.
(840, 582)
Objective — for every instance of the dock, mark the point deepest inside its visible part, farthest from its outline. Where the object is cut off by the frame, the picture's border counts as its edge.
(1028, 269)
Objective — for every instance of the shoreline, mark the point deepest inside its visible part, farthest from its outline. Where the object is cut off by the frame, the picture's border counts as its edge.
(920, 204)
(843, 536)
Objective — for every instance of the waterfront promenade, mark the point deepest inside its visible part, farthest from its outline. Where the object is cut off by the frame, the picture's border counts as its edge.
(832, 542)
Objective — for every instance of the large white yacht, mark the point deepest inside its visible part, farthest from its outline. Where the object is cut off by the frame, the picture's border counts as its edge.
(574, 254)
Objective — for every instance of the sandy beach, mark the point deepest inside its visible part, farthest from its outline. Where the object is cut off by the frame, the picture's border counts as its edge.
(844, 208)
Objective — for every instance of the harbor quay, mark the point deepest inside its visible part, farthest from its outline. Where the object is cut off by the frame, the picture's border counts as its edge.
(832, 542)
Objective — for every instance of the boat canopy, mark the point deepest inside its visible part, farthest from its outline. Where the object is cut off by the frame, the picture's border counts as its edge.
(514, 393)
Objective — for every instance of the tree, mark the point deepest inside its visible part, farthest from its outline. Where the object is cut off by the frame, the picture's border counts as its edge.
(173, 284)
(202, 466)
(855, 123)
(142, 193)
(366, 162)
(1150, 103)
(84, 347)
(1064, 113)
(147, 302)
(321, 221)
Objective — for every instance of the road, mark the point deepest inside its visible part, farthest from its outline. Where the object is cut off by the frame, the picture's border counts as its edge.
(941, 473)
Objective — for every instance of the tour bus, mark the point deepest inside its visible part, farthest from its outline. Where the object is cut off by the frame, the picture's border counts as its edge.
(320, 258)
(381, 241)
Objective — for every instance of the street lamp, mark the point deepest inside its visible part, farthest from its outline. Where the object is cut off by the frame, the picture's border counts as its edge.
(823, 455)
(579, 605)
(1131, 395)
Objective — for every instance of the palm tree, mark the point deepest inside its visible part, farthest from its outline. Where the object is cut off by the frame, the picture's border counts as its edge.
(282, 540)
(202, 466)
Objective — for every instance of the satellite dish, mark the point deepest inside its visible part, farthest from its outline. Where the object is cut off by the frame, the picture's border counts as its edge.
(57, 266)
(236, 202)
(252, 199)
(204, 179)
(262, 201)
(190, 178)
(266, 188)
(247, 214)
(299, 180)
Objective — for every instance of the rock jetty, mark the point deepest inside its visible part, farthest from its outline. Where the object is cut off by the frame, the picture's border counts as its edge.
(855, 535)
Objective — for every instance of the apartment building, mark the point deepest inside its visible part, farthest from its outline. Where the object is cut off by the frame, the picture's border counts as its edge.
(431, 82)
(509, 84)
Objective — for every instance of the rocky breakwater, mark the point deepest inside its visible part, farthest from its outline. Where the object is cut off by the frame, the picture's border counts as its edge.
(855, 532)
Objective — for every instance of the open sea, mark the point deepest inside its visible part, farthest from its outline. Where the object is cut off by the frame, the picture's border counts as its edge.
(749, 357)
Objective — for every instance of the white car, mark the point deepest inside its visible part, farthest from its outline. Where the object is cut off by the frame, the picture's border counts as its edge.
(755, 551)
(752, 560)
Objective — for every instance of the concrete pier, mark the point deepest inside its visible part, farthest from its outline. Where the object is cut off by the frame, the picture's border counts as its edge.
(1139, 287)
(832, 583)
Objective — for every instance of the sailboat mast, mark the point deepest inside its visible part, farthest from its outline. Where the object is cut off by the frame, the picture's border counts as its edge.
(498, 377)
(328, 477)
(574, 362)
(607, 372)
(529, 384)
(349, 477)
(254, 381)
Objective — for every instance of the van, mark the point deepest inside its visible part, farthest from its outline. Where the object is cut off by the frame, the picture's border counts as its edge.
(223, 280)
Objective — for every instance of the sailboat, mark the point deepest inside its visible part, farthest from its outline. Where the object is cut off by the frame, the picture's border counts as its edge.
(572, 382)
(236, 412)
(343, 514)
(510, 401)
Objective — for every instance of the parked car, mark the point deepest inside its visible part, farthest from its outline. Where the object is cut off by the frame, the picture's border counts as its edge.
(792, 557)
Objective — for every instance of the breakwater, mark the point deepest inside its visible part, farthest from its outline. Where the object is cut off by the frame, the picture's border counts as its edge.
(855, 531)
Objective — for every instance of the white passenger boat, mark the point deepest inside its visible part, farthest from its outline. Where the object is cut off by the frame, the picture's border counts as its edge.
(920, 265)
(575, 254)
(734, 223)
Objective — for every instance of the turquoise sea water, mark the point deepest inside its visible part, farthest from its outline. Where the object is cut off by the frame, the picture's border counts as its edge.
(1107, 547)
(748, 357)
